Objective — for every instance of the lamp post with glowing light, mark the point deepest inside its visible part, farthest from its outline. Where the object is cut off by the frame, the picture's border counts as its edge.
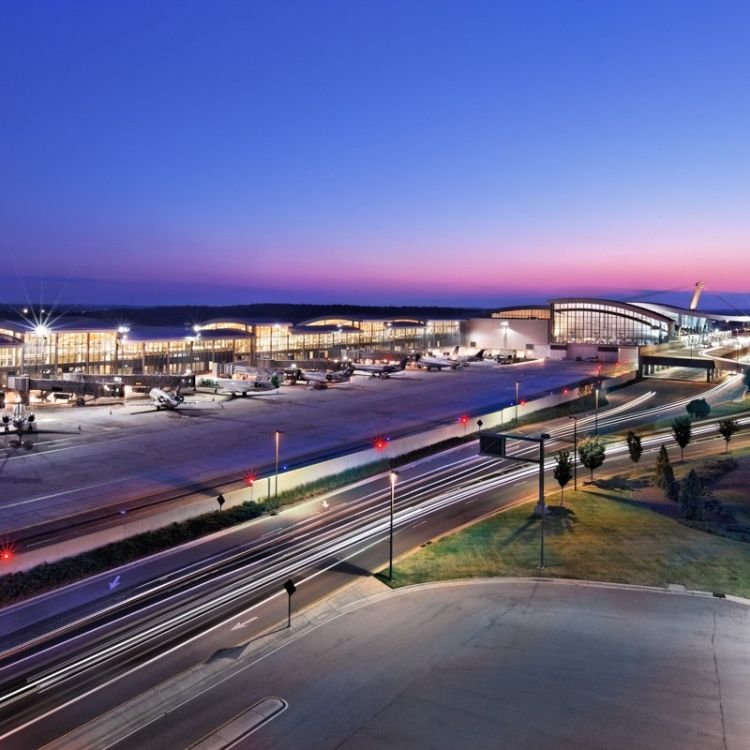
(120, 337)
(393, 476)
(596, 409)
(277, 437)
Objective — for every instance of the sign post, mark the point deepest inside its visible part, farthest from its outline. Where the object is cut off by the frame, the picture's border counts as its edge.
(496, 444)
(290, 589)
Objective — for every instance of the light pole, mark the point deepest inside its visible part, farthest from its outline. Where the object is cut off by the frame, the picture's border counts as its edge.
(596, 410)
(277, 436)
(575, 451)
(516, 419)
(544, 436)
(393, 477)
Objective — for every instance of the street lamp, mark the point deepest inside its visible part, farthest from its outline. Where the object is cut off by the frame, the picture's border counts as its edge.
(596, 410)
(542, 508)
(516, 419)
(393, 477)
(575, 451)
(277, 436)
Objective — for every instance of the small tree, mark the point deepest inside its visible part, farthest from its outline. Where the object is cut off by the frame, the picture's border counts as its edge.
(665, 475)
(591, 452)
(727, 428)
(682, 428)
(634, 447)
(698, 408)
(691, 497)
(563, 471)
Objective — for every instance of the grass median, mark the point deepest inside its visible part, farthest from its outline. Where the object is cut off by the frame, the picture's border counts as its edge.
(601, 534)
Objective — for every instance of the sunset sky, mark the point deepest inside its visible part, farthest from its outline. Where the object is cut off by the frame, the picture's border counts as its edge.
(378, 152)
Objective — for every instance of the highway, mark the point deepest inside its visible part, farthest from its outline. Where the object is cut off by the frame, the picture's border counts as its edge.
(177, 616)
(102, 462)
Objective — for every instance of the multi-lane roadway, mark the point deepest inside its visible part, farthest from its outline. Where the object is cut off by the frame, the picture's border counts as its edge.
(210, 594)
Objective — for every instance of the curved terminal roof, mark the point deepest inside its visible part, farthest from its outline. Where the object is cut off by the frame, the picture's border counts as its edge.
(624, 307)
(676, 313)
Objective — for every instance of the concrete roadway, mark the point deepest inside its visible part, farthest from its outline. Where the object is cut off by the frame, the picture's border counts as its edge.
(526, 665)
(219, 640)
(86, 458)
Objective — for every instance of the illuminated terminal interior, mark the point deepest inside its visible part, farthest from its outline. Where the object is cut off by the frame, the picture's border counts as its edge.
(79, 345)
(566, 328)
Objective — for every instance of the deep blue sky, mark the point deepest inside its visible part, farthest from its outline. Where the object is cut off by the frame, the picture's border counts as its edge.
(441, 152)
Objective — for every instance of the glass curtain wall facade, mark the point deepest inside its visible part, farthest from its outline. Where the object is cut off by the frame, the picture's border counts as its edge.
(119, 350)
(606, 322)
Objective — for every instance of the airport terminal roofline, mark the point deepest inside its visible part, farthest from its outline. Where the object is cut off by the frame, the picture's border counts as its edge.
(634, 308)
(686, 312)
(61, 323)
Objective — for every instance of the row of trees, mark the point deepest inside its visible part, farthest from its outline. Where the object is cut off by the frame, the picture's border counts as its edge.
(592, 452)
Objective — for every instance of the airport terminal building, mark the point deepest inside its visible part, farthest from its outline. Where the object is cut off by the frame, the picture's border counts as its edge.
(565, 328)
(97, 348)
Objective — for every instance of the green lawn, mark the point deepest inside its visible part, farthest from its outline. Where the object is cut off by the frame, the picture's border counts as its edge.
(601, 535)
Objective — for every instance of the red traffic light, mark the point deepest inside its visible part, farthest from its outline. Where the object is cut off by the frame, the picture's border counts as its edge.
(380, 443)
(250, 477)
(463, 419)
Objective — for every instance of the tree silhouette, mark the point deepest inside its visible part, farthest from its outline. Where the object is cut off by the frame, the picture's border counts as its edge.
(635, 449)
(563, 471)
(727, 428)
(698, 408)
(591, 452)
(691, 497)
(665, 475)
(682, 429)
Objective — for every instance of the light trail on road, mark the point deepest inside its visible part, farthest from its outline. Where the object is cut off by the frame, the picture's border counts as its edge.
(231, 581)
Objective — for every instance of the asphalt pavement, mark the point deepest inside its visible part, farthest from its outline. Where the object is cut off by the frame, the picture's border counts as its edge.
(528, 665)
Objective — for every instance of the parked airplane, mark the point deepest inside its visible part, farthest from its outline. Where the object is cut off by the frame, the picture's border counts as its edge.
(430, 362)
(19, 419)
(467, 358)
(248, 387)
(166, 399)
(320, 379)
(379, 371)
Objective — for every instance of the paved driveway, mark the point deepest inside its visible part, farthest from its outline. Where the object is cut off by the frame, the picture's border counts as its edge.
(521, 665)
